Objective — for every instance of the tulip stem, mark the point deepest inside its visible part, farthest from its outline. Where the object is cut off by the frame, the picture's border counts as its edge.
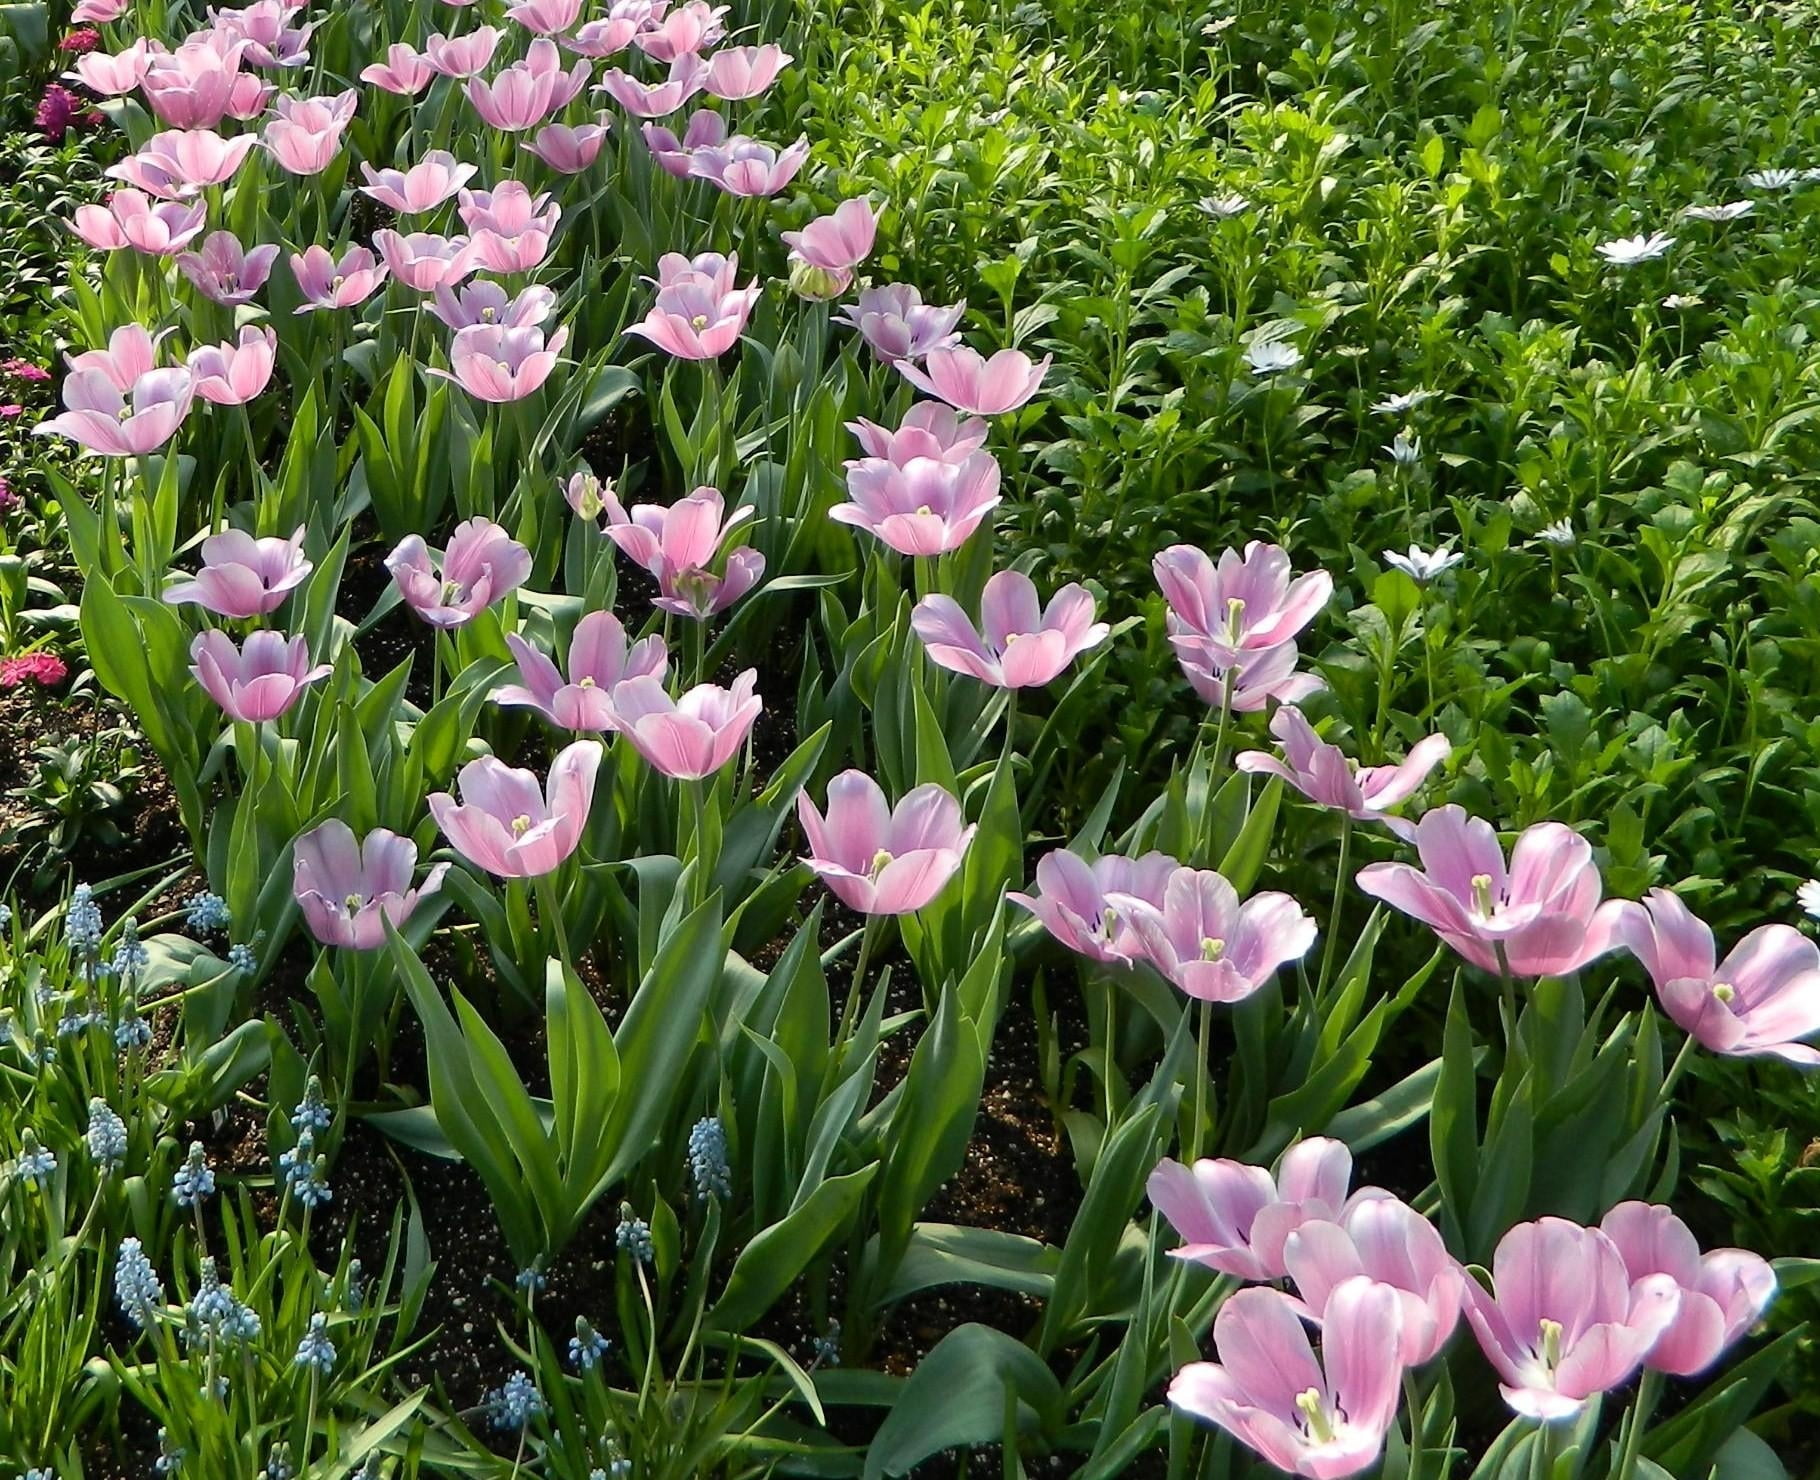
(1542, 1452)
(851, 1010)
(1665, 1096)
(549, 905)
(1339, 899)
(1507, 989)
(1203, 1031)
(1412, 1399)
(1112, 1032)
(1648, 1390)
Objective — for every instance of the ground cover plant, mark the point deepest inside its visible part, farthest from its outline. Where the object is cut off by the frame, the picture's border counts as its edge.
(908, 739)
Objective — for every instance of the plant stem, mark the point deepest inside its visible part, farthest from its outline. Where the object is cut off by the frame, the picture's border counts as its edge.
(1648, 1390)
(1339, 897)
(1203, 1030)
(850, 1011)
(1666, 1094)
(1412, 1400)
(549, 906)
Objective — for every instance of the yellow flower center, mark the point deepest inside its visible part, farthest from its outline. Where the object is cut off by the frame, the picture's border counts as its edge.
(353, 903)
(699, 322)
(584, 683)
(881, 860)
(1724, 992)
(1320, 1426)
(1481, 895)
(1235, 616)
(521, 825)
(1551, 1343)
(1212, 948)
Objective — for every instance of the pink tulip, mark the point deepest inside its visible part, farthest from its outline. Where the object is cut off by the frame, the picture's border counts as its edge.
(1322, 772)
(568, 150)
(1239, 605)
(1567, 1322)
(265, 26)
(349, 889)
(484, 303)
(1237, 1218)
(897, 325)
(193, 86)
(680, 546)
(612, 32)
(528, 92)
(404, 71)
(248, 97)
(689, 738)
(115, 422)
(736, 73)
(306, 135)
(706, 130)
(696, 318)
(547, 17)
(232, 374)
(112, 75)
(925, 507)
(1761, 999)
(497, 364)
(225, 272)
(462, 56)
(1386, 1240)
(326, 283)
(747, 167)
(688, 75)
(684, 31)
(587, 495)
(1723, 1294)
(1072, 900)
(881, 860)
(423, 260)
(131, 351)
(1024, 645)
(714, 270)
(1211, 946)
(1322, 1418)
(98, 12)
(482, 564)
(183, 162)
(510, 826)
(838, 242)
(1267, 674)
(1543, 913)
(243, 577)
(599, 661)
(256, 683)
(130, 219)
(426, 185)
(969, 382)
(930, 429)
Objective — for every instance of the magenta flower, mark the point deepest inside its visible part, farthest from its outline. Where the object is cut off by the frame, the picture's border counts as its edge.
(528, 92)
(568, 150)
(131, 351)
(225, 272)
(1723, 1294)
(968, 381)
(232, 374)
(349, 889)
(706, 130)
(1543, 912)
(483, 564)
(683, 31)
(183, 162)
(680, 546)
(881, 860)
(699, 316)
(1386, 1240)
(748, 167)
(193, 86)
(1023, 645)
(546, 17)
(612, 32)
(130, 219)
(1240, 605)
(1323, 1418)
(497, 364)
(1322, 772)
(243, 577)
(688, 75)
(836, 243)
(265, 26)
(426, 185)
(114, 421)
(483, 303)
(928, 506)
(897, 325)
(599, 660)
(1567, 1321)
(1269, 673)
(930, 429)
(1761, 999)
(326, 283)
(736, 73)
(510, 826)
(1237, 1218)
(689, 738)
(256, 683)
(306, 135)
(424, 260)
(113, 75)
(405, 71)
(1072, 900)
(1211, 946)
(462, 56)
(59, 110)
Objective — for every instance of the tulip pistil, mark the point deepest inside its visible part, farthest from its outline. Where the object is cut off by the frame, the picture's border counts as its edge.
(1320, 1425)
(1481, 895)
(1212, 948)
(521, 825)
(881, 860)
(1235, 617)
(1551, 1343)
(1724, 992)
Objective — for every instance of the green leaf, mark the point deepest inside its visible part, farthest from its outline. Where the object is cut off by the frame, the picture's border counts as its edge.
(951, 1254)
(768, 1265)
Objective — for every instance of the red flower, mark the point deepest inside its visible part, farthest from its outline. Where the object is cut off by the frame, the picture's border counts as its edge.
(82, 39)
(41, 668)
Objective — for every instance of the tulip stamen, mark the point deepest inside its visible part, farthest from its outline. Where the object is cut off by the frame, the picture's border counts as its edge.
(521, 825)
(1482, 901)
(1314, 1410)
(1235, 617)
(353, 903)
(1212, 948)
(1724, 992)
(1551, 1332)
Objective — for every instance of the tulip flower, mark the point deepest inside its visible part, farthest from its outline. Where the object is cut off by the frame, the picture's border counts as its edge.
(1023, 644)
(748, 167)
(306, 135)
(897, 325)
(547, 17)
(113, 75)
(115, 422)
(1073, 900)
(462, 56)
(684, 31)
(688, 75)
(926, 507)
(265, 27)
(1541, 916)
(1237, 1218)
(568, 150)
(1254, 680)
(613, 32)
(706, 130)
(680, 545)
(587, 495)
(1760, 1000)
(131, 351)
(225, 272)
(98, 12)
(1323, 1418)
(1386, 1240)
(130, 219)
(482, 564)
(350, 888)
(1567, 1322)
(689, 738)
(881, 860)
(1723, 1294)
(969, 382)
(424, 260)
(258, 682)
(1241, 604)
(232, 374)
(405, 71)
(427, 184)
(699, 316)
(243, 577)
(326, 283)
(528, 92)
(248, 97)
(1211, 946)
(486, 303)
(497, 364)
(510, 826)
(193, 86)
(178, 163)
(838, 242)
(736, 73)
(930, 429)
(1322, 772)
(599, 660)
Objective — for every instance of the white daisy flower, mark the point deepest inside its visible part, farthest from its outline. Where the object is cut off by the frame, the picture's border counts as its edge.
(1809, 896)
(1272, 356)
(1225, 207)
(1774, 179)
(1561, 532)
(1730, 211)
(1403, 401)
(1405, 451)
(1422, 566)
(1628, 251)
(1683, 300)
